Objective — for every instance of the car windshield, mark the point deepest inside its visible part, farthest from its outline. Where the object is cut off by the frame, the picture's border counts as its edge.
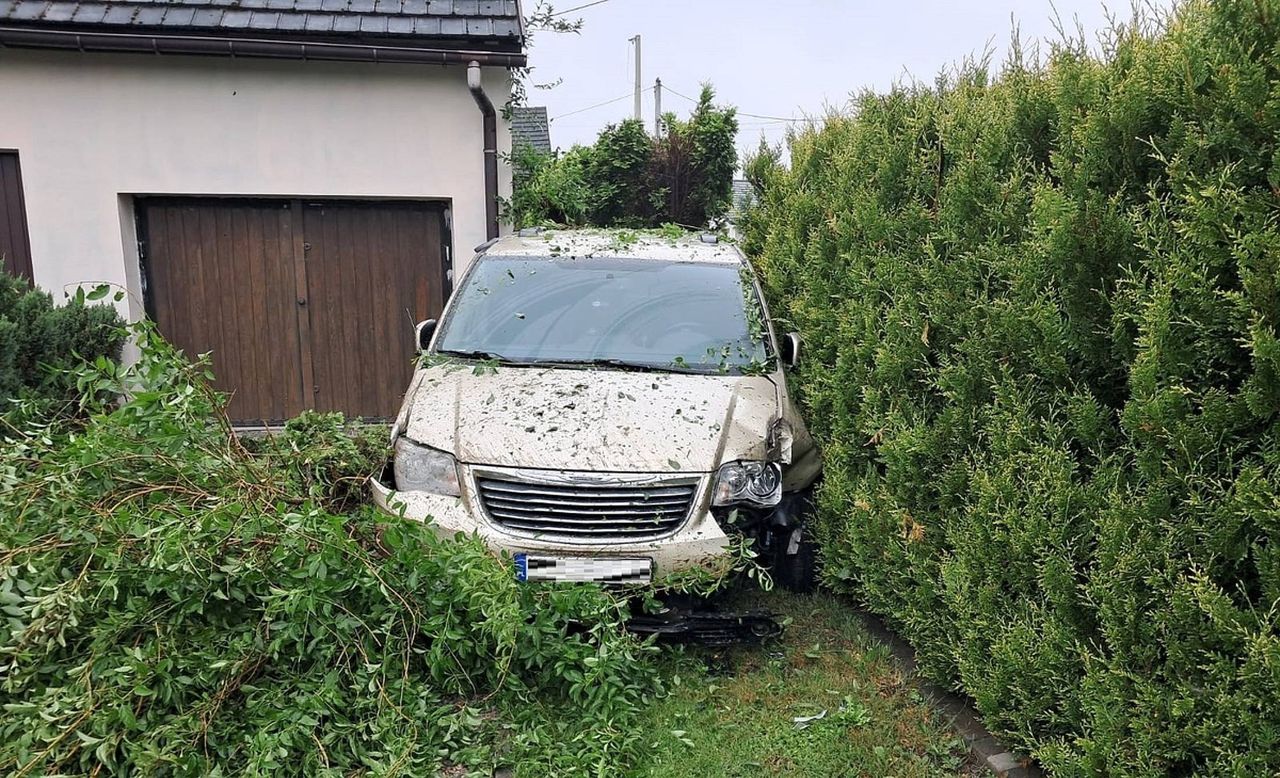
(678, 316)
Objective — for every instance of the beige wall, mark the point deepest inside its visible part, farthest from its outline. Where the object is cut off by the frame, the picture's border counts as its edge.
(93, 129)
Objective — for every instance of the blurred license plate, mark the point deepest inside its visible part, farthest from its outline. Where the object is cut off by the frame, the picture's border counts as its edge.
(535, 567)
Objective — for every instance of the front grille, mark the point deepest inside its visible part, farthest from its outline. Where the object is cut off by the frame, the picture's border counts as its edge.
(598, 511)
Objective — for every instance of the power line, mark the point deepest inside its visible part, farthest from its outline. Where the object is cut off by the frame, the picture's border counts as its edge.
(577, 8)
(593, 106)
(739, 112)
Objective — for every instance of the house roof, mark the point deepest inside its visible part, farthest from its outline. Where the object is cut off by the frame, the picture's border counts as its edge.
(529, 126)
(464, 27)
(742, 197)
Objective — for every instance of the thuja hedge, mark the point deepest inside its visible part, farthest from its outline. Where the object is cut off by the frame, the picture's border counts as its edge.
(40, 341)
(1041, 313)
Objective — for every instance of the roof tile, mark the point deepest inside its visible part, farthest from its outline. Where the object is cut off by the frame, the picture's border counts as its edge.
(265, 20)
(150, 16)
(346, 23)
(207, 17)
(453, 27)
(480, 28)
(178, 17)
(28, 10)
(390, 7)
(465, 7)
(440, 7)
(400, 25)
(120, 14)
(292, 22)
(319, 22)
(236, 19)
(89, 13)
(361, 6)
(426, 25)
(59, 12)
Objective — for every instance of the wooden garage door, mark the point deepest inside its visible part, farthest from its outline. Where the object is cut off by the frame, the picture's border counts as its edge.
(15, 245)
(302, 304)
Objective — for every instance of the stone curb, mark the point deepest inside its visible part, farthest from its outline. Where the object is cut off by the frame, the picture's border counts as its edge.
(983, 746)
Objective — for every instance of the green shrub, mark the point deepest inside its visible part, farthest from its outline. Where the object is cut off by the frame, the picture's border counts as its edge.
(1041, 314)
(550, 188)
(39, 341)
(175, 604)
(629, 179)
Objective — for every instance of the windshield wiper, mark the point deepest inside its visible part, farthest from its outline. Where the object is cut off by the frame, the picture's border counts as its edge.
(640, 367)
(484, 356)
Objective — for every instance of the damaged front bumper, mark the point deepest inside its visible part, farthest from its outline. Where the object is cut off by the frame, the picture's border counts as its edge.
(697, 543)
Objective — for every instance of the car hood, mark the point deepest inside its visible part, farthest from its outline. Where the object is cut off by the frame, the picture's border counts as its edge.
(602, 420)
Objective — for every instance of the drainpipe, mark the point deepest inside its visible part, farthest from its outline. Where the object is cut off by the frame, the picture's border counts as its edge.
(490, 149)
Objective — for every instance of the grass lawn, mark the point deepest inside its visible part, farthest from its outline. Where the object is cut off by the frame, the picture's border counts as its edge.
(732, 712)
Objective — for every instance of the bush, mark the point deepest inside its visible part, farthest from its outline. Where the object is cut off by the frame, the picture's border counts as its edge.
(176, 604)
(628, 179)
(40, 341)
(550, 188)
(1041, 314)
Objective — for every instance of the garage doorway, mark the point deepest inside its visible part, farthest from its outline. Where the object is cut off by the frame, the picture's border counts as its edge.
(302, 304)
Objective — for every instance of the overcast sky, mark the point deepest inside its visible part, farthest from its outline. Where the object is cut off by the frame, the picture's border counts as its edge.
(774, 58)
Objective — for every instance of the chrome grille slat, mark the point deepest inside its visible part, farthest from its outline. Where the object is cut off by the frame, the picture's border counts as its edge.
(586, 490)
(544, 531)
(580, 519)
(604, 506)
(590, 507)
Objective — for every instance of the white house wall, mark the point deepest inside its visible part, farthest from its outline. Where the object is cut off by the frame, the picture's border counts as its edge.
(92, 130)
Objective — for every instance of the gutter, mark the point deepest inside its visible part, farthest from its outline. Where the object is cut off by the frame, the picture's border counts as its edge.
(24, 37)
(490, 148)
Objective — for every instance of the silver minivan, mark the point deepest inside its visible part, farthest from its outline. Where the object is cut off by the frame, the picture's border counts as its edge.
(607, 407)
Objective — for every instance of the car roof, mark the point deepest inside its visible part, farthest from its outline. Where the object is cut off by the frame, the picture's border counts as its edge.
(560, 244)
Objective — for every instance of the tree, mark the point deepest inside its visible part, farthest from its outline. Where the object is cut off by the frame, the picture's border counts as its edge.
(618, 177)
(629, 179)
(698, 159)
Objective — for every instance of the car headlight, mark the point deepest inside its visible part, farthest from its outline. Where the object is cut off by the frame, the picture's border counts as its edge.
(422, 469)
(755, 483)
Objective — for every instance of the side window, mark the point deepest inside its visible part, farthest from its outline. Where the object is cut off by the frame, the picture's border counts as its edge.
(15, 244)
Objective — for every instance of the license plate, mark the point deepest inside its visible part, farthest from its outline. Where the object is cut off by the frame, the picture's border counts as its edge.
(607, 570)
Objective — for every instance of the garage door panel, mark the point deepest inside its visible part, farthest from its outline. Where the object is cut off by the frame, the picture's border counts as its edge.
(218, 282)
(377, 269)
(303, 304)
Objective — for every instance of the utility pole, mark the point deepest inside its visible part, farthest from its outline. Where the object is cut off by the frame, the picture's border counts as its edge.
(657, 108)
(636, 41)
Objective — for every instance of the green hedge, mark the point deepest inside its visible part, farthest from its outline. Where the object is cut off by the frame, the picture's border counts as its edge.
(1041, 314)
(40, 342)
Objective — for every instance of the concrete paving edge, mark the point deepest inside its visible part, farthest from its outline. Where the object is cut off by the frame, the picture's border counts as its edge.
(984, 746)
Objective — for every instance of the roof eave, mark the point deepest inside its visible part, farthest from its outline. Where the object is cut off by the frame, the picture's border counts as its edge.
(244, 46)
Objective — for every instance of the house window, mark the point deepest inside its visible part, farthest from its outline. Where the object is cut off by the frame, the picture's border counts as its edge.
(15, 244)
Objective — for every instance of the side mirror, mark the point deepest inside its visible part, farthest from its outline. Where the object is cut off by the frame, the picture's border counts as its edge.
(790, 349)
(423, 332)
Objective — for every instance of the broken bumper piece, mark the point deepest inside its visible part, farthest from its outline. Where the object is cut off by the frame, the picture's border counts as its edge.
(709, 628)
